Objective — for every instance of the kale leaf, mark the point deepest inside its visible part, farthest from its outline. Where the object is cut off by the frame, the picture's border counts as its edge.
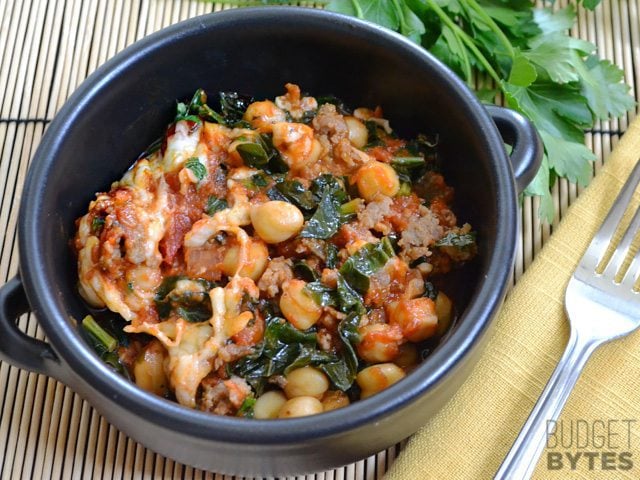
(357, 269)
(186, 297)
(327, 218)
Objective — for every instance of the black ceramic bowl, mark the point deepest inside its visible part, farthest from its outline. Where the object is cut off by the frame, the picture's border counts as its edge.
(123, 106)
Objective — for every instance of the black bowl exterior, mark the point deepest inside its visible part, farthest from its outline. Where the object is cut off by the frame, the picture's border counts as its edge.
(121, 109)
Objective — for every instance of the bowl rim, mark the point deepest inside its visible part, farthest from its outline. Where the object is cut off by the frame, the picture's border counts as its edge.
(76, 355)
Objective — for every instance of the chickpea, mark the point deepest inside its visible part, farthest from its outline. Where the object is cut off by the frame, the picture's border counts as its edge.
(298, 307)
(376, 178)
(358, 135)
(300, 407)
(444, 310)
(262, 115)
(316, 152)
(407, 356)
(376, 378)
(276, 221)
(256, 260)
(148, 369)
(306, 382)
(379, 342)
(268, 405)
(334, 399)
(416, 318)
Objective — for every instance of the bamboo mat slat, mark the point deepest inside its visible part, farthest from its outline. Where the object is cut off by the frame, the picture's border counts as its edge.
(47, 48)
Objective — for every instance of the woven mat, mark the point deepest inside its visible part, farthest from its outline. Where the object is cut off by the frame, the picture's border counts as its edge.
(47, 47)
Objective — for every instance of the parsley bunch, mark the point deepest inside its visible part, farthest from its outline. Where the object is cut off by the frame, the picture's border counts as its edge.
(556, 81)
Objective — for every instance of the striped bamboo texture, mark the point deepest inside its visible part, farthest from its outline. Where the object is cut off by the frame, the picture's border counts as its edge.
(47, 48)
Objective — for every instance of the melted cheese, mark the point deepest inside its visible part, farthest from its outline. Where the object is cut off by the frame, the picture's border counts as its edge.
(181, 145)
(192, 347)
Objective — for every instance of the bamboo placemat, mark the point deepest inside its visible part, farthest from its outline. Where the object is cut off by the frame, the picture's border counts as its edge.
(47, 47)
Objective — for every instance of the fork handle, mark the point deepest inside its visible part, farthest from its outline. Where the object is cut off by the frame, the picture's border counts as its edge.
(525, 452)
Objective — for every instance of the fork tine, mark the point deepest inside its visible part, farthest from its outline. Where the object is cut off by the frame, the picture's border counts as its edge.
(623, 247)
(600, 242)
(630, 279)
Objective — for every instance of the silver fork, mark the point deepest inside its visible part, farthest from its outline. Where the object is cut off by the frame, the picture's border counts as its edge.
(600, 309)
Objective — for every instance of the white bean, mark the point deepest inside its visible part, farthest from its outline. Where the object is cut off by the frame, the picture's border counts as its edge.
(256, 261)
(444, 309)
(300, 407)
(379, 342)
(416, 317)
(297, 307)
(358, 135)
(263, 114)
(334, 399)
(268, 405)
(148, 369)
(306, 382)
(276, 221)
(376, 178)
(376, 378)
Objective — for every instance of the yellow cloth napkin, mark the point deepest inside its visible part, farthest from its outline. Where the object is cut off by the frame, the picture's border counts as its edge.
(469, 438)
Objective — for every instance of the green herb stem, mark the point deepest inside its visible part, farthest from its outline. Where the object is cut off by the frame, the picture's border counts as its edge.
(91, 326)
(465, 38)
(350, 207)
(492, 25)
(357, 8)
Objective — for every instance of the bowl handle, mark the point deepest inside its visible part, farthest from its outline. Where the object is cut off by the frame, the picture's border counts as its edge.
(517, 131)
(16, 347)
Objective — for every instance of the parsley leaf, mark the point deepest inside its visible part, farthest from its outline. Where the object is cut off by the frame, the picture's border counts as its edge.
(545, 74)
(548, 76)
(600, 83)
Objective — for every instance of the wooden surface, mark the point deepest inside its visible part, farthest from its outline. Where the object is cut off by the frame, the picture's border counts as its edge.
(47, 48)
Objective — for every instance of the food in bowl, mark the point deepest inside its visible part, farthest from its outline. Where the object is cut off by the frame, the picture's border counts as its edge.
(273, 259)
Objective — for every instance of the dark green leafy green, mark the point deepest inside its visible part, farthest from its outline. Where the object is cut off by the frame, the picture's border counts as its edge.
(525, 50)
(321, 294)
(96, 224)
(551, 78)
(373, 136)
(259, 152)
(188, 298)
(103, 343)
(458, 240)
(106, 340)
(253, 154)
(283, 349)
(198, 169)
(233, 105)
(303, 271)
(260, 180)
(294, 192)
(327, 218)
(331, 255)
(197, 109)
(344, 297)
(348, 332)
(357, 269)
(430, 291)
(215, 204)
(348, 299)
